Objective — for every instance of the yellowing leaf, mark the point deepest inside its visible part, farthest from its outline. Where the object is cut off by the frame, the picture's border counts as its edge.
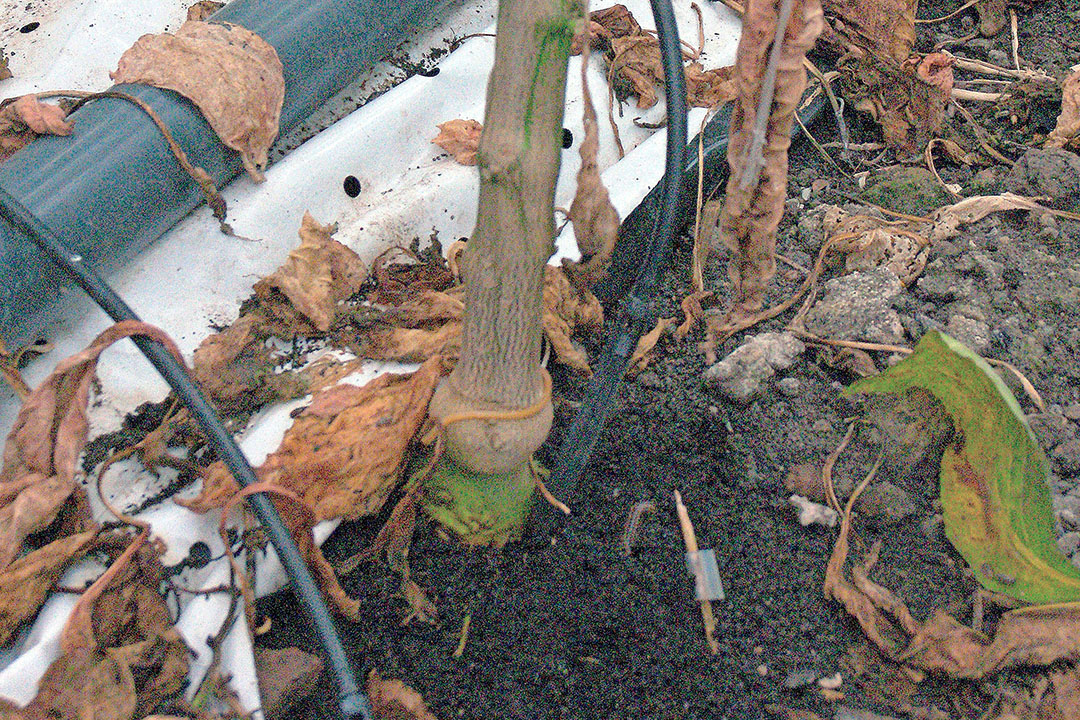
(231, 74)
(994, 488)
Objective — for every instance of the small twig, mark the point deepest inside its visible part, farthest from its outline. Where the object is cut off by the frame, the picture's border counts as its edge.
(611, 110)
(460, 649)
(700, 30)
(980, 135)
(546, 494)
(928, 155)
(690, 540)
(986, 68)
(975, 95)
(632, 527)
(817, 146)
(837, 105)
(943, 18)
(697, 264)
(827, 468)
(1015, 38)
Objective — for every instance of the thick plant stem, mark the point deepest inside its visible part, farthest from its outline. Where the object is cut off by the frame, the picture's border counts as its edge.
(503, 267)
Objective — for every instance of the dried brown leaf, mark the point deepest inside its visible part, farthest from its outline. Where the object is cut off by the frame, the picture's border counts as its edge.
(406, 344)
(203, 9)
(882, 28)
(596, 223)
(637, 68)
(757, 187)
(285, 676)
(936, 69)
(401, 276)
(121, 656)
(616, 21)
(394, 700)
(643, 352)
(948, 220)
(1067, 130)
(234, 362)
(26, 583)
(317, 275)
(460, 138)
(566, 310)
(24, 119)
(5, 71)
(709, 88)
(50, 431)
(344, 453)
(231, 74)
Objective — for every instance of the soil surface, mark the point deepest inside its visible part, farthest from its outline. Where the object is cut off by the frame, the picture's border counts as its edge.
(581, 630)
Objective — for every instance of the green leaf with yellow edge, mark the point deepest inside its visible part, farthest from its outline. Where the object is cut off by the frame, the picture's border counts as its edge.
(995, 492)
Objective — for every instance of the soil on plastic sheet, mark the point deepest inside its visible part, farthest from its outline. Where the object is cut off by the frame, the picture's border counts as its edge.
(580, 630)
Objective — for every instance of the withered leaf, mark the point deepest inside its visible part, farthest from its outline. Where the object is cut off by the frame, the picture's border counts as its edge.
(617, 21)
(24, 119)
(5, 71)
(1067, 130)
(316, 276)
(884, 29)
(121, 656)
(637, 68)
(709, 88)
(285, 676)
(50, 431)
(936, 69)
(343, 454)
(235, 363)
(26, 583)
(460, 138)
(394, 700)
(401, 276)
(203, 9)
(647, 343)
(596, 223)
(948, 220)
(757, 187)
(565, 311)
(231, 74)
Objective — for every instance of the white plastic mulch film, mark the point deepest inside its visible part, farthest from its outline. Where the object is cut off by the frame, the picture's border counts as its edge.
(194, 277)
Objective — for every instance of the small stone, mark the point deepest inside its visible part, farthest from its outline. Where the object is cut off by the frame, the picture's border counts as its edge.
(650, 379)
(858, 307)
(886, 503)
(789, 386)
(831, 682)
(762, 670)
(1067, 456)
(812, 513)
(1072, 411)
(1054, 173)
(740, 376)
(998, 57)
(1069, 543)
(972, 333)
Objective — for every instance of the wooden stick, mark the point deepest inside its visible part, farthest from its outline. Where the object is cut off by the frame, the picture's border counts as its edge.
(690, 540)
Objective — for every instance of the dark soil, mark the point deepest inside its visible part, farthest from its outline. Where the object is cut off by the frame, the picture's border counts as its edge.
(578, 630)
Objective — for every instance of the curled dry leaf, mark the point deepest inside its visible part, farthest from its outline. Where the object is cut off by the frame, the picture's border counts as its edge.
(884, 29)
(26, 583)
(5, 71)
(709, 88)
(636, 68)
(400, 276)
(460, 138)
(596, 223)
(231, 74)
(757, 155)
(647, 343)
(121, 656)
(566, 310)
(1067, 130)
(936, 69)
(870, 242)
(343, 454)
(24, 119)
(235, 365)
(948, 220)
(50, 431)
(394, 700)
(317, 275)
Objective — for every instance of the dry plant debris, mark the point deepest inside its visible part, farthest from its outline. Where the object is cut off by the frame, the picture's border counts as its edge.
(231, 74)
(317, 275)
(203, 9)
(42, 450)
(24, 118)
(1067, 131)
(596, 223)
(460, 138)
(121, 657)
(758, 142)
(343, 454)
(633, 56)
(5, 71)
(394, 700)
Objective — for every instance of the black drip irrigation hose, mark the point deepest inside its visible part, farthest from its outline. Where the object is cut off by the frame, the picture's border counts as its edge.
(638, 311)
(351, 701)
(634, 282)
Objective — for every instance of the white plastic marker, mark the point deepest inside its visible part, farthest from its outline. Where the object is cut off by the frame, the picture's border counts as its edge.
(702, 565)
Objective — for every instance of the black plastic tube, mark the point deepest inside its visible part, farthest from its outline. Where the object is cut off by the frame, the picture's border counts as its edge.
(352, 701)
(638, 312)
(113, 186)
